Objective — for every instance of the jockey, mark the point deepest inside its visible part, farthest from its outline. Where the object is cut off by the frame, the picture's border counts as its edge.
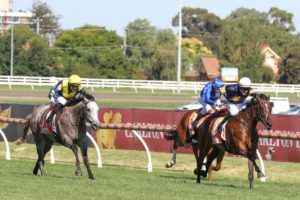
(237, 96)
(209, 98)
(64, 90)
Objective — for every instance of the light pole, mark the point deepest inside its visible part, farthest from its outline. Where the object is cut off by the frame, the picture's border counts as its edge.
(179, 49)
(12, 50)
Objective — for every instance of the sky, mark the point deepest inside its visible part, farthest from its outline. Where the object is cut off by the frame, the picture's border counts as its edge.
(116, 14)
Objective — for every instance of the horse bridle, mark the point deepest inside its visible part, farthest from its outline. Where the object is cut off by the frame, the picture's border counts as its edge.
(260, 112)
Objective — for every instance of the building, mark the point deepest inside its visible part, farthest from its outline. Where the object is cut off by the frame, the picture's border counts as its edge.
(208, 70)
(9, 17)
(272, 59)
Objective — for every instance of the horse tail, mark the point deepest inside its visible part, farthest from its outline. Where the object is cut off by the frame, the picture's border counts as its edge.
(25, 133)
(172, 135)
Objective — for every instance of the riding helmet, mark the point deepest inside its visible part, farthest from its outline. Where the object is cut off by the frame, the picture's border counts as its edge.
(74, 79)
(218, 83)
(245, 82)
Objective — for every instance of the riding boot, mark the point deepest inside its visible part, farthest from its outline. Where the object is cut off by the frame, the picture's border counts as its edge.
(226, 118)
(54, 111)
(194, 124)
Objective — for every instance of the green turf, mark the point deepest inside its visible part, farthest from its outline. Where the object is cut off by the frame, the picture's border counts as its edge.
(124, 176)
(117, 99)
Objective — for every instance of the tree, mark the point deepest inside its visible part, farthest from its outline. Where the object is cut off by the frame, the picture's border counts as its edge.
(30, 53)
(267, 75)
(290, 67)
(44, 17)
(91, 51)
(199, 23)
(243, 31)
(239, 47)
(281, 18)
(151, 50)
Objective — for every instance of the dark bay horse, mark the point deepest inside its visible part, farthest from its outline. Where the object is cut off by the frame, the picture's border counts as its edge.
(71, 126)
(241, 136)
(184, 129)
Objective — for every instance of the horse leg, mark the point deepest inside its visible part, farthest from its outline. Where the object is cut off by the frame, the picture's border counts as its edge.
(252, 157)
(84, 148)
(78, 171)
(173, 161)
(250, 174)
(219, 161)
(40, 146)
(214, 152)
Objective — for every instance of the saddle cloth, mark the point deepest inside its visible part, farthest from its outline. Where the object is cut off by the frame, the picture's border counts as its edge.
(216, 135)
(44, 126)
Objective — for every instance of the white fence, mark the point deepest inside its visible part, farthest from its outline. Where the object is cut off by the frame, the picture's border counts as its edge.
(140, 84)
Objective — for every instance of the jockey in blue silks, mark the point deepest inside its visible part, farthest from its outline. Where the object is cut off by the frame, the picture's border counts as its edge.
(208, 98)
(64, 90)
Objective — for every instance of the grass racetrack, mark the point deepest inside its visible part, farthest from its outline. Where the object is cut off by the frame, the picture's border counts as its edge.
(124, 173)
(124, 176)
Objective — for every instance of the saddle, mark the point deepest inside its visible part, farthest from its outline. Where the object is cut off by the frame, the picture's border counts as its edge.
(44, 126)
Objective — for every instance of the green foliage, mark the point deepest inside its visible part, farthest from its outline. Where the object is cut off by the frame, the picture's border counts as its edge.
(239, 47)
(267, 75)
(199, 23)
(44, 16)
(151, 50)
(91, 51)
(30, 53)
(282, 18)
(290, 67)
(245, 29)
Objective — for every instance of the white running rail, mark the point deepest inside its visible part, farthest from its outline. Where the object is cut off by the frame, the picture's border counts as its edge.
(136, 85)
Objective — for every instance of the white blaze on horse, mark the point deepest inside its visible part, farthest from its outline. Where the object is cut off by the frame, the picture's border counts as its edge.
(69, 129)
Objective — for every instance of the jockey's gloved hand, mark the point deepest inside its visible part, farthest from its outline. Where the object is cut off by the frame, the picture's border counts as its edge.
(218, 103)
(79, 96)
(249, 99)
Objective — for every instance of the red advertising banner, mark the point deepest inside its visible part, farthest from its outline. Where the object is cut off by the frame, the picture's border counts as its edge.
(282, 150)
(279, 150)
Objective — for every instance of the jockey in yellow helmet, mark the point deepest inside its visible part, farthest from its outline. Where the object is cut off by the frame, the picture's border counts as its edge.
(64, 90)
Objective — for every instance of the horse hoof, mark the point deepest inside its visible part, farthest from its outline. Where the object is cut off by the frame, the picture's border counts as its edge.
(78, 173)
(92, 178)
(169, 164)
(260, 175)
(203, 173)
(195, 171)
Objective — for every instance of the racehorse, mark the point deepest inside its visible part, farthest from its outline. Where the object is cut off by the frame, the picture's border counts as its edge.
(179, 136)
(241, 136)
(71, 126)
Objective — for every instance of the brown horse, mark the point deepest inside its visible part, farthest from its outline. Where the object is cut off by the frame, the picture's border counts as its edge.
(241, 136)
(184, 130)
(71, 126)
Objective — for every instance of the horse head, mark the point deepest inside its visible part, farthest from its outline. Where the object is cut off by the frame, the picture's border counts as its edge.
(91, 112)
(263, 110)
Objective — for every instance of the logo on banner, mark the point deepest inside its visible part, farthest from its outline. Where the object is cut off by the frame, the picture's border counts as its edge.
(106, 137)
(5, 113)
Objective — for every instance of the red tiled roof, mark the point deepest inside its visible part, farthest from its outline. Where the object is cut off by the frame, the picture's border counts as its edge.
(211, 66)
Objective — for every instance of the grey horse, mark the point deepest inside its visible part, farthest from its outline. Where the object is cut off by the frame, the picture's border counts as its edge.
(70, 131)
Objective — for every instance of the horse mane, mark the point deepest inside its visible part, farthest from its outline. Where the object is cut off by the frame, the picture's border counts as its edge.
(89, 97)
(76, 100)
